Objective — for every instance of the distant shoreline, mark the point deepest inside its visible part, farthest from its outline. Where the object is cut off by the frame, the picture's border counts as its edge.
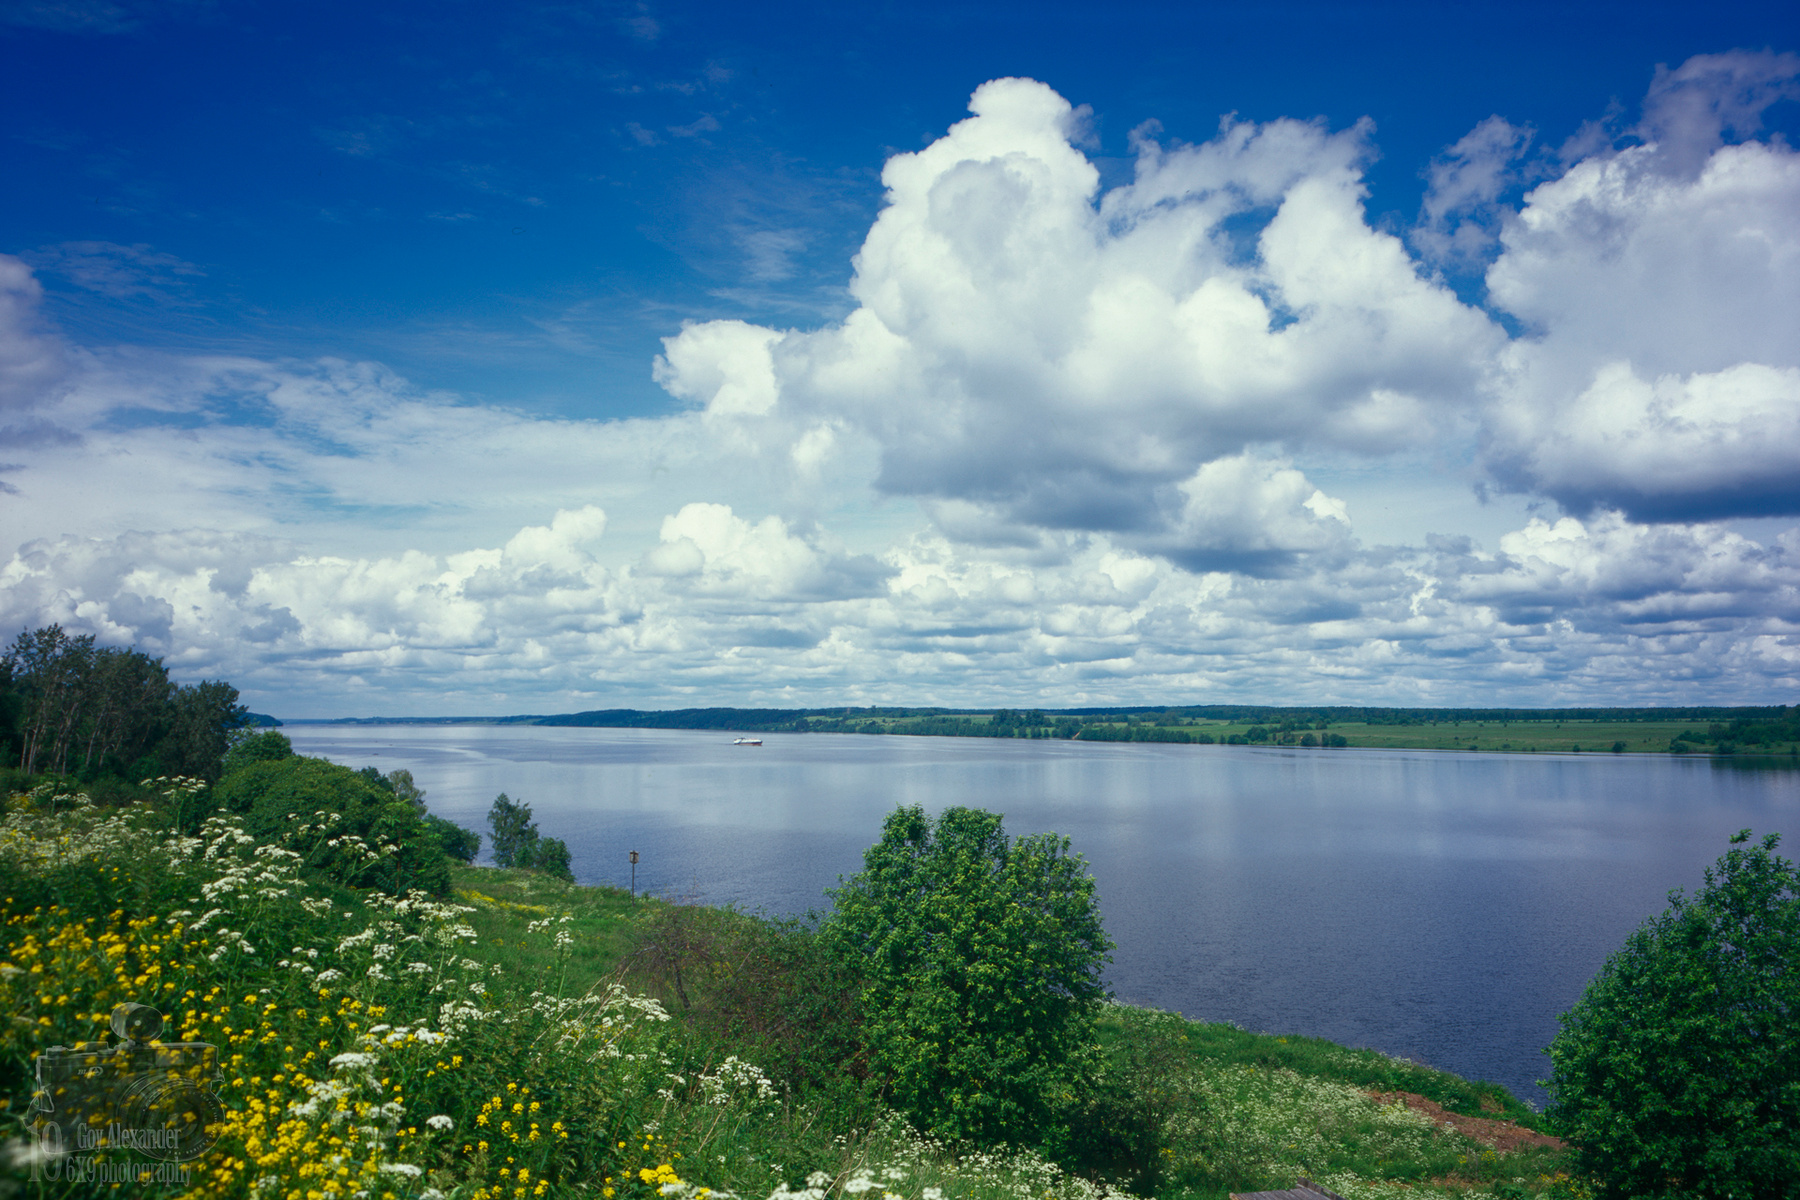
(1761, 732)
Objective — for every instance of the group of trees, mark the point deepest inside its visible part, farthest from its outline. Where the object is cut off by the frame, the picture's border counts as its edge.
(977, 965)
(1762, 735)
(517, 843)
(71, 707)
(333, 815)
(358, 828)
(1758, 725)
(1287, 734)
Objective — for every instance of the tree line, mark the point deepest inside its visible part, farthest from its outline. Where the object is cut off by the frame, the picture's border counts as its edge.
(71, 707)
(112, 717)
(1773, 720)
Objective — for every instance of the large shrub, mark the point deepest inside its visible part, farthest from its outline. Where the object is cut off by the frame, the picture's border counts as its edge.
(1678, 1072)
(341, 825)
(980, 958)
(768, 987)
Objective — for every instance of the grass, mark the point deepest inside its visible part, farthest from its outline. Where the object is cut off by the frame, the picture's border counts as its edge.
(1249, 1081)
(507, 903)
(1243, 1111)
(1548, 737)
(1366, 1069)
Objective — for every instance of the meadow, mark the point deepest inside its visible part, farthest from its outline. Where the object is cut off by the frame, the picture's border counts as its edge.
(523, 1036)
(1748, 732)
(1547, 737)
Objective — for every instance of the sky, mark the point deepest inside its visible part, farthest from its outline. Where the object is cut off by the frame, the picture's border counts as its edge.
(472, 359)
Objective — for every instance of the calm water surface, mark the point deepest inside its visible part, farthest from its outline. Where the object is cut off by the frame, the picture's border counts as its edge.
(1441, 906)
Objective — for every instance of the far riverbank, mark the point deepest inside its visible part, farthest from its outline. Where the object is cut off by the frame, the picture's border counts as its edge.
(1760, 732)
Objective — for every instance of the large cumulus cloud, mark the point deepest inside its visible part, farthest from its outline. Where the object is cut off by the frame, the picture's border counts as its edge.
(1064, 360)
(1031, 354)
(1660, 289)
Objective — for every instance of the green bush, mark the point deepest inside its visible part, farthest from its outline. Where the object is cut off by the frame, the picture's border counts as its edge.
(271, 746)
(767, 988)
(1678, 1072)
(980, 961)
(343, 827)
(456, 842)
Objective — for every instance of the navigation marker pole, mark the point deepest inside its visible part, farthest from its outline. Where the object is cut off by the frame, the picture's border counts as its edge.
(634, 874)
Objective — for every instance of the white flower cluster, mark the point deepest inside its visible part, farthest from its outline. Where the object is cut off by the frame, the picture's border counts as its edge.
(419, 905)
(270, 874)
(734, 1074)
(896, 1161)
(40, 842)
(395, 1035)
(457, 1015)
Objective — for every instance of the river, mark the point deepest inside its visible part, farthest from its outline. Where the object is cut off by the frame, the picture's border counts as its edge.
(1440, 906)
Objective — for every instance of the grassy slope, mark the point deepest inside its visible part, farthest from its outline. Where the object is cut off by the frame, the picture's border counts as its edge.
(1195, 1110)
(508, 901)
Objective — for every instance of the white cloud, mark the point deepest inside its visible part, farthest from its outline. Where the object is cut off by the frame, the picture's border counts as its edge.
(115, 271)
(726, 365)
(1706, 445)
(1255, 517)
(1611, 576)
(726, 609)
(1460, 215)
(1067, 448)
(1689, 110)
(1660, 286)
(708, 551)
(1062, 361)
(32, 361)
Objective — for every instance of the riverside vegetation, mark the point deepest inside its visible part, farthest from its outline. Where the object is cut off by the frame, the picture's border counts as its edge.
(392, 1021)
(519, 1036)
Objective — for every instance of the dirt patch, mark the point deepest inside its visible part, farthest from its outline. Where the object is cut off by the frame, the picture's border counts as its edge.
(1503, 1136)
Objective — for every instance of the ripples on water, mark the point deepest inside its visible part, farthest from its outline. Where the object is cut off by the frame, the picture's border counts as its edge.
(1440, 906)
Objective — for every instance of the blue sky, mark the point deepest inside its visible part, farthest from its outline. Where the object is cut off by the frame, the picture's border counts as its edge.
(478, 358)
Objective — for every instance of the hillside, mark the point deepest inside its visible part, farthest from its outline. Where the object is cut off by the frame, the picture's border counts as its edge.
(523, 1036)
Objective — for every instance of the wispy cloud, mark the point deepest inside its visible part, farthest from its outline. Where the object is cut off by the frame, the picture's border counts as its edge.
(70, 16)
(117, 272)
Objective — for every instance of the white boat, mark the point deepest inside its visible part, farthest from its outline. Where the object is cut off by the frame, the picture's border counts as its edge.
(748, 741)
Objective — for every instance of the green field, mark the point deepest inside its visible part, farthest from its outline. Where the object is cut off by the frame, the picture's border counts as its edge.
(1565, 736)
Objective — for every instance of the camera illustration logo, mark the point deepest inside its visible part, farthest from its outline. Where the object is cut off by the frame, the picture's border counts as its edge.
(144, 1095)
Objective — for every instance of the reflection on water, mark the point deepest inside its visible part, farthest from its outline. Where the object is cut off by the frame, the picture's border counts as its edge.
(1441, 906)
